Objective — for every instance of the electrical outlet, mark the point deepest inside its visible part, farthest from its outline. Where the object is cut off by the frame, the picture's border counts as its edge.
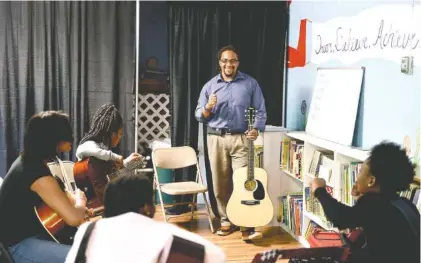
(407, 64)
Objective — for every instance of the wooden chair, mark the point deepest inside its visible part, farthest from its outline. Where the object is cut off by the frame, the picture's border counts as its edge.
(176, 158)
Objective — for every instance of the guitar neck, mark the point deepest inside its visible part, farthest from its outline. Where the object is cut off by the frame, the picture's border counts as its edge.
(250, 174)
(114, 174)
(68, 186)
(131, 166)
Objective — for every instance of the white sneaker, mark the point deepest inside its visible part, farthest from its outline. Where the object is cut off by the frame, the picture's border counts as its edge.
(252, 235)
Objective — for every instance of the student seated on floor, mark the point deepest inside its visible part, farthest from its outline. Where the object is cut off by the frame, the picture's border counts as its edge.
(127, 233)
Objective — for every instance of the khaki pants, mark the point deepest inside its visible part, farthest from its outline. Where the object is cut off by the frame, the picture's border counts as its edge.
(226, 153)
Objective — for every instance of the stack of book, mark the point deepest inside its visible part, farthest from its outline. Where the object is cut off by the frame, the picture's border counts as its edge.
(413, 194)
(310, 229)
(315, 207)
(349, 172)
(321, 165)
(291, 211)
(291, 156)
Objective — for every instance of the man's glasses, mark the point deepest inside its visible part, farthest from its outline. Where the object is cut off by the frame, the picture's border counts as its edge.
(232, 61)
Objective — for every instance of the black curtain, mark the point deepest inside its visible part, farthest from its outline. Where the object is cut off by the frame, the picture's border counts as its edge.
(69, 56)
(197, 30)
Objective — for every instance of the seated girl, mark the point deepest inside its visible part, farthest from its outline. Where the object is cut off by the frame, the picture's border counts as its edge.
(29, 183)
(104, 134)
(389, 236)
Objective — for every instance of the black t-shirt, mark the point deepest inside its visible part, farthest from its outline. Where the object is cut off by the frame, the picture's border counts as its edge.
(389, 236)
(17, 216)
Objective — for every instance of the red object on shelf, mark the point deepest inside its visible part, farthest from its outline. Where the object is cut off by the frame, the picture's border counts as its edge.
(324, 238)
(330, 238)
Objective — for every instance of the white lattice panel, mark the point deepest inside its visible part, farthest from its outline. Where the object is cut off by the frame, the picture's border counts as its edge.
(154, 117)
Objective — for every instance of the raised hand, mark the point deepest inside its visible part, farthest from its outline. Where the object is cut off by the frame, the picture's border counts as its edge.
(316, 183)
(133, 157)
(211, 102)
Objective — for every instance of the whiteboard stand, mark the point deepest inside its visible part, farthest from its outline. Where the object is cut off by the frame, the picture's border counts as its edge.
(334, 104)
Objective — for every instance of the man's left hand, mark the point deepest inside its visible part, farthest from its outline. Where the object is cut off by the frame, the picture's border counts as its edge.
(252, 134)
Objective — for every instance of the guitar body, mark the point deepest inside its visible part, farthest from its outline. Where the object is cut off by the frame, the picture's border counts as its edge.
(91, 177)
(54, 225)
(250, 204)
(250, 208)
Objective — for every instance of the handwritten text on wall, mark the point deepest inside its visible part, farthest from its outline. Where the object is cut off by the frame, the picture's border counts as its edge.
(388, 32)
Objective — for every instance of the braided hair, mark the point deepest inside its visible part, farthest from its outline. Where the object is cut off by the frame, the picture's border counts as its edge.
(106, 121)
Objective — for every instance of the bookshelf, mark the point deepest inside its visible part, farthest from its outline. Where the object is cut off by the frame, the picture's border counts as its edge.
(336, 163)
(288, 182)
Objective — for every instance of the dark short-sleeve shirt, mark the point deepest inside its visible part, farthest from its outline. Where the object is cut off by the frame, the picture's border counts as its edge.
(17, 201)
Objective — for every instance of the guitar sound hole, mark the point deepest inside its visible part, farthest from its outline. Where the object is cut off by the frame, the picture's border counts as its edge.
(250, 185)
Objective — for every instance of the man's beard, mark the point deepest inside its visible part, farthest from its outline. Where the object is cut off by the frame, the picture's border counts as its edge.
(232, 74)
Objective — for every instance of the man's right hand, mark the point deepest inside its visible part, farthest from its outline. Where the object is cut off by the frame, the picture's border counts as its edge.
(211, 102)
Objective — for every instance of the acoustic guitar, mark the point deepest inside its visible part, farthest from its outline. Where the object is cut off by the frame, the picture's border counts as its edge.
(319, 254)
(52, 223)
(92, 175)
(250, 204)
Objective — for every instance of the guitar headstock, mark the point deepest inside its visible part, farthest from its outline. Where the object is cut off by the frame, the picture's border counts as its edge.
(250, 114)
(139, 163)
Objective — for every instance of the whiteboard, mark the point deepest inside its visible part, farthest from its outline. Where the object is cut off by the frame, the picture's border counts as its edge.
(334, 104)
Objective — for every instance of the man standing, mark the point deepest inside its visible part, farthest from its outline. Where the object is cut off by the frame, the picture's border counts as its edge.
(221, 105)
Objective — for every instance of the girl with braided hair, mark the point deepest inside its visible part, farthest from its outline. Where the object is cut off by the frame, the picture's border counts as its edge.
(104, 134)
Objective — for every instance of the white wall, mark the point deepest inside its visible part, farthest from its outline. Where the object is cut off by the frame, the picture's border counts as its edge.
(389, 104)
